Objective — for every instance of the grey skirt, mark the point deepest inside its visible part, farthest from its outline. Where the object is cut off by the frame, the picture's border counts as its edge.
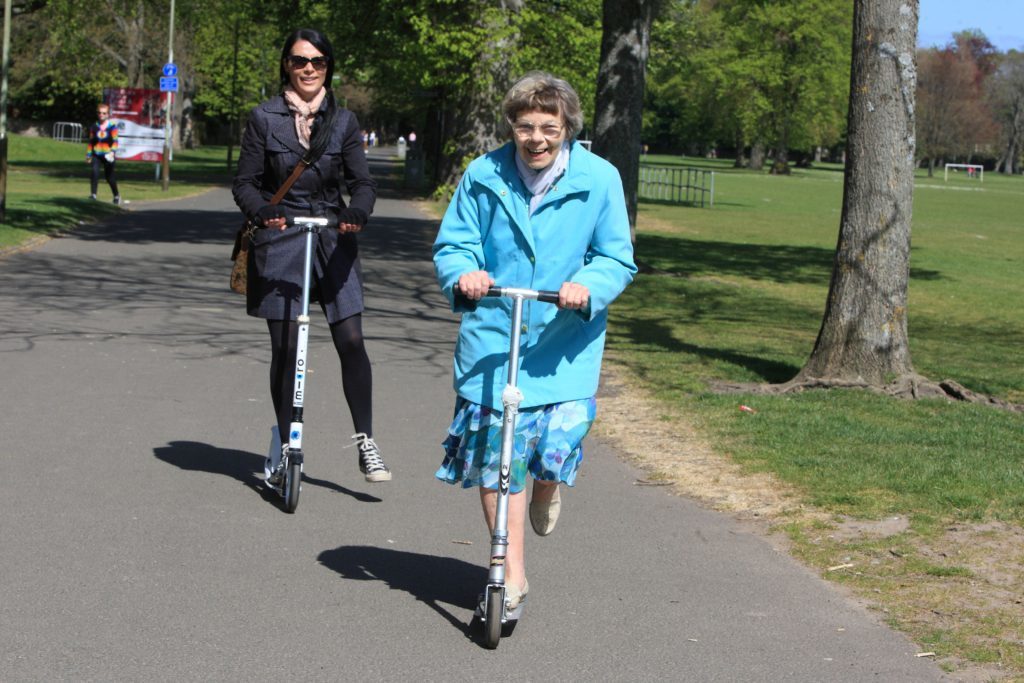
(275, 274)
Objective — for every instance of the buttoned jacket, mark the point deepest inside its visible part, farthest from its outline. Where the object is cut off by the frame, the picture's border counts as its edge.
(578, 233)
(269, 152)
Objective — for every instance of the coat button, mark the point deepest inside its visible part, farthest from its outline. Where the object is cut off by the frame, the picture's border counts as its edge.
(503, 193)
(524, 329)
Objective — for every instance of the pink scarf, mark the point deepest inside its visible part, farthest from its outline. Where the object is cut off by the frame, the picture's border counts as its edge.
(305, 112)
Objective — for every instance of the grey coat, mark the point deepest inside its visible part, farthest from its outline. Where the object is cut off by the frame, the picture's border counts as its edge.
(270, 150)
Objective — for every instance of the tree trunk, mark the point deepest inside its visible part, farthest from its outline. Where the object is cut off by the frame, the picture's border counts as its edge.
(477, 118)
(757, 156)
(618, 111)
(863, 335)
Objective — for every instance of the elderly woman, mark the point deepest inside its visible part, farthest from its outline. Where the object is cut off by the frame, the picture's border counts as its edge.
(541, 212)
(304, 124)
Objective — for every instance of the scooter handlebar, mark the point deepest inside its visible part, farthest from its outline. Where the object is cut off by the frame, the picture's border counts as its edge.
(313, 222)
(547, 296)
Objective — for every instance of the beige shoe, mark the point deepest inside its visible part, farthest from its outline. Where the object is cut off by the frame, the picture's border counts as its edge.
(543, 516)
(515, 596)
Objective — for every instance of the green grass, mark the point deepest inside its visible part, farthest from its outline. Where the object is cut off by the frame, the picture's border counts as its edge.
(48, 185)
(739, 295)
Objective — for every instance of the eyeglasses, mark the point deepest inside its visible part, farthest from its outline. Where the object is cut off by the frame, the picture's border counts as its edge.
(299, 62)
(548, 130)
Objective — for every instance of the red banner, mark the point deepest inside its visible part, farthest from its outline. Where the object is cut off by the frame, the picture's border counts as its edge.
(139, 115)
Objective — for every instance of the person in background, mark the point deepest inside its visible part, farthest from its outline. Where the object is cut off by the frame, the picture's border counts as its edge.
(101, 151)
(304, 123)
(541, 212)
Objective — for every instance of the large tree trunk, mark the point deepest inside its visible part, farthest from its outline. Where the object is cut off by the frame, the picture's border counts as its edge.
(618, 111)
(477, 118)
(863, 336)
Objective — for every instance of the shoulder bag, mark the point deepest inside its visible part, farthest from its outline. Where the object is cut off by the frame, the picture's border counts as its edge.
(240, 252)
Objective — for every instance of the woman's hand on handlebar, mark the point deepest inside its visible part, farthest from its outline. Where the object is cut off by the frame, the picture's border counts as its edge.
(474, 285)
(573, 295)
(272, 216)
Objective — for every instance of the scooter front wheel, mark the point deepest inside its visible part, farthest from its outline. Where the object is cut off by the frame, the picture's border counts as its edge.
(292, 486)
(492, 618)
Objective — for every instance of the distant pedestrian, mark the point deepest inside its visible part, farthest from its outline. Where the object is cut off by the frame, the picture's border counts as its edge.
(101, 151)
(373, 138)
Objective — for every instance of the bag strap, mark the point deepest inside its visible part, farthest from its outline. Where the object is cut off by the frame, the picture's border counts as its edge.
(283, 190)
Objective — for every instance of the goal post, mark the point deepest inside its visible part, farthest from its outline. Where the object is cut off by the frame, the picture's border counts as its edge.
(973, 171)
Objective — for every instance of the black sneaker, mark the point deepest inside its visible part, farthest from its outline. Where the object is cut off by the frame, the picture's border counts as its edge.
(371, 464)
(117, 199)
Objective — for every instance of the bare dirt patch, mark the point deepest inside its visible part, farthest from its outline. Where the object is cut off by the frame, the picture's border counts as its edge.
(677, 457)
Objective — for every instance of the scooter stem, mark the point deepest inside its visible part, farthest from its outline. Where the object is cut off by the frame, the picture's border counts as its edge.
(511, 397)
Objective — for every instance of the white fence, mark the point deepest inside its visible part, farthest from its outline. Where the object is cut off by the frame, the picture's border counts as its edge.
(66, 131)
(677, 184)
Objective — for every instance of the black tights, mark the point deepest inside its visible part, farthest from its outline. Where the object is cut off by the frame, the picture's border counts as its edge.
(356, 376)
(98, 163)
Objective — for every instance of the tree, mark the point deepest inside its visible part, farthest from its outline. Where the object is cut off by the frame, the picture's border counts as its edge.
(863, 336)
(953, 119)
(1007, 97)
(791, 60)
(618, 112)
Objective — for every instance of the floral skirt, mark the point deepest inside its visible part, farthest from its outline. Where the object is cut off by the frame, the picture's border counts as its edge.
(548, 444)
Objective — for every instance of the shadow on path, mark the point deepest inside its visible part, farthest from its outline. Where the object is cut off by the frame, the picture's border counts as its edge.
(244, 466)
(431, 580)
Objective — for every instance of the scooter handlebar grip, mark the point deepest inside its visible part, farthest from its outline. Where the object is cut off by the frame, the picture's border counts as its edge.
(547, 296)
(318, 221)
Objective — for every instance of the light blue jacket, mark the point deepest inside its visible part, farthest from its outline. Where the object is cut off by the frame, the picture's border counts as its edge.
(579, 233)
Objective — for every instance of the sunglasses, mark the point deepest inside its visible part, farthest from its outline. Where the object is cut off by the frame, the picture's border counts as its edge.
(299, 62)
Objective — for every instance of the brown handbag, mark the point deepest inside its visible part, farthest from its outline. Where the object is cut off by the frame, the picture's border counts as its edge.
(240, 253)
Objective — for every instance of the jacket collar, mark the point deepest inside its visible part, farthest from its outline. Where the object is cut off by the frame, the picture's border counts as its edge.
(282, 127)
(502, 177)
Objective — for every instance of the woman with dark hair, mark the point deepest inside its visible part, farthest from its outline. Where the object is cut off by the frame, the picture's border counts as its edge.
(304, 125)
(540, 212)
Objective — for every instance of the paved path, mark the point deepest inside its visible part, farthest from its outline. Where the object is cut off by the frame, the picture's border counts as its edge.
(137, 543)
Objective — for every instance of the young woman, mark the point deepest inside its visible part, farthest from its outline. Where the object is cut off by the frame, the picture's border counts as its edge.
(541, 212)
(304, 122)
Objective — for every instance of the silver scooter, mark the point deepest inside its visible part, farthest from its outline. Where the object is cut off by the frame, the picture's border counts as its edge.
(492, 609)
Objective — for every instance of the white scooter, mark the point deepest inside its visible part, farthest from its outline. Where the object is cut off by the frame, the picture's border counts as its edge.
(285, 475)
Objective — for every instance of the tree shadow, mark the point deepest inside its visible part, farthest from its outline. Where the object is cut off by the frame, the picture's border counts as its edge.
(244, 466)
(685, 256)
(435, 581)
(660, 334)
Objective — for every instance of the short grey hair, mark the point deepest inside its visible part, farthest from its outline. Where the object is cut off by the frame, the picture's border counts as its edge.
(540, 91)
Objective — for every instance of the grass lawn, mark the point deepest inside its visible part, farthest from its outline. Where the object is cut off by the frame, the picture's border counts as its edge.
(48, 184)
(738, 295)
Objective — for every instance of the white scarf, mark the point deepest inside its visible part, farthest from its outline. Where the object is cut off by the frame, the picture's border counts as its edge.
(540, 181)
(305, 112)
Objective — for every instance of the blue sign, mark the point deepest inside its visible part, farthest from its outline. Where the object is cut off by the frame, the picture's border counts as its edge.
(170, 69)
(168, 84)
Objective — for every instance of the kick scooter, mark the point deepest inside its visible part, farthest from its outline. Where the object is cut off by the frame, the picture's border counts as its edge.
(492, 608)
(286, 476)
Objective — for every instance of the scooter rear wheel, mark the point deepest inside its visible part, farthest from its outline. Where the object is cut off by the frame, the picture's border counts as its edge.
(492, 619)
(292, 486)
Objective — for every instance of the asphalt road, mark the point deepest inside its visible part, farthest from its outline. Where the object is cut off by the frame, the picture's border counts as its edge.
(137, 543)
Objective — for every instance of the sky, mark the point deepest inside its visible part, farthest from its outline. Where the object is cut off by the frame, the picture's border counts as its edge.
(1002, 21)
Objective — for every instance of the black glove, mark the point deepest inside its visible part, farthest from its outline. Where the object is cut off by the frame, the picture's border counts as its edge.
(268, 212)
(353, 215)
